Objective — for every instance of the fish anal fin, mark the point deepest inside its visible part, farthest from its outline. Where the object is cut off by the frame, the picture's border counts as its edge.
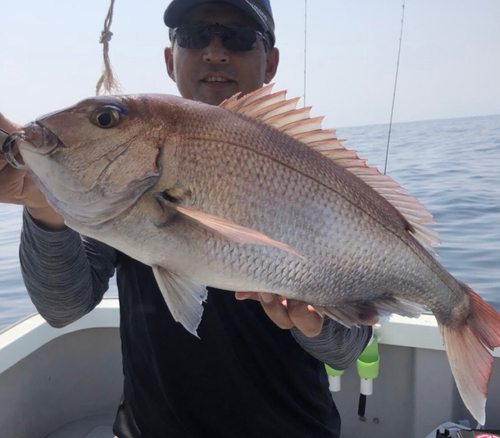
(184, 298)
(369, 312)
(223, 227)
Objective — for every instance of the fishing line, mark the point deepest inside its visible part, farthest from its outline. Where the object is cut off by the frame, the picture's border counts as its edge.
(395, 86)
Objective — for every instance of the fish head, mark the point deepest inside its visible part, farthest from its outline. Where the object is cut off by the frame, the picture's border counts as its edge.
(95, 159)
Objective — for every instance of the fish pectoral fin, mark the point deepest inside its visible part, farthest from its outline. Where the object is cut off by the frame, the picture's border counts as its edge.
(225, 228)
(184, 298)
(369, 312)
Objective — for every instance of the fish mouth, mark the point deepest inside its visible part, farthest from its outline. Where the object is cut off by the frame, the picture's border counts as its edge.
(37, 138)
(34, 138)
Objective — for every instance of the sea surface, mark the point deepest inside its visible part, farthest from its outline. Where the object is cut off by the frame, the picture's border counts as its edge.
(452, 166)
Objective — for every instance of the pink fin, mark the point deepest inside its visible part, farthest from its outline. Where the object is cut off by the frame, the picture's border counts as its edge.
(283, 106)
(369, 312)
(271, 101)
(230, 230)
(234, 103)
(467, 348)
(275, 110)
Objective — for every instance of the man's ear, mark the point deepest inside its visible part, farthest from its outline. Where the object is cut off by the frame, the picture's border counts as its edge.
(272, 61)
(169, 62)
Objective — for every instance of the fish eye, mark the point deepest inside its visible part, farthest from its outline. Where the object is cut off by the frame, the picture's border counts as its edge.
(106, 117)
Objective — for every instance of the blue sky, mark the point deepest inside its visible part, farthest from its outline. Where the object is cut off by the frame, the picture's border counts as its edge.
(450, 60)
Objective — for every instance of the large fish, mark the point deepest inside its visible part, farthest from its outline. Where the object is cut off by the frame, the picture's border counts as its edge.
(253, 195)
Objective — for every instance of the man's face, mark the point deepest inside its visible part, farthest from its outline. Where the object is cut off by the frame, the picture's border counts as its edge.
(214, 73)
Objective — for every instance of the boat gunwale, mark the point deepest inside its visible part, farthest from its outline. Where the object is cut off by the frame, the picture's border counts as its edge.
(31, 333)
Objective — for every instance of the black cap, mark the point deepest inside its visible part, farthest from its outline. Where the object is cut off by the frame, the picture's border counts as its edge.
(259, 10)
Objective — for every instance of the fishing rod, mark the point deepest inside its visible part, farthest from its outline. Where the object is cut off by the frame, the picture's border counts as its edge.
(395, 86)
(395, 79)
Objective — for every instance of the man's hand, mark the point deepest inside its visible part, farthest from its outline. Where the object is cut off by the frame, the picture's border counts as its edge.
(17, 187)
(287, 313)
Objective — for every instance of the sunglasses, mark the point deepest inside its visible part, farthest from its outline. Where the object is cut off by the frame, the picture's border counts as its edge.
(237, 39)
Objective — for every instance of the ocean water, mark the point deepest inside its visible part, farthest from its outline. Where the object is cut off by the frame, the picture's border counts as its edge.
(451, 166)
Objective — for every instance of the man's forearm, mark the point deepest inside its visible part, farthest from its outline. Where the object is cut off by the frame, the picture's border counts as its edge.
(336, 345)
(65, 276)
(47, 217)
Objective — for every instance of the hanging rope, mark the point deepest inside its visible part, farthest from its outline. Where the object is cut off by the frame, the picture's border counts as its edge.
(107, 78)
(395, 85)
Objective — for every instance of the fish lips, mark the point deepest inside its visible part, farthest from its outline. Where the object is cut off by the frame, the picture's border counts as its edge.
(44, 136)
(37, 138)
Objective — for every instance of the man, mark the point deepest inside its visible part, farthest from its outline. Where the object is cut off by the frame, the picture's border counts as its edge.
(257, 369)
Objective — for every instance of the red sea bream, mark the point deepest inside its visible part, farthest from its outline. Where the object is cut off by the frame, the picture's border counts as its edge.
(254, 196)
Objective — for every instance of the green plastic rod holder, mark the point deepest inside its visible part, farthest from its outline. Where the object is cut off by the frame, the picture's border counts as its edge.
(334, 378)
(368, 366)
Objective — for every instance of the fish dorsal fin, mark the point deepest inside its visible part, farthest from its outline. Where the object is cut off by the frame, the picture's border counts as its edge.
(234, 103)
(275, 110)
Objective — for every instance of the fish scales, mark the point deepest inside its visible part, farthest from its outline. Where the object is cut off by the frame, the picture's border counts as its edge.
(304, 201)
(244, 133)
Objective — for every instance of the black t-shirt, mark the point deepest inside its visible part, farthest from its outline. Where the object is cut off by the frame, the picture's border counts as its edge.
(244, 376)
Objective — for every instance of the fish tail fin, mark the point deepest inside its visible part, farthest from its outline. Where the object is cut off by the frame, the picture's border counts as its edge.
(468, 348)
